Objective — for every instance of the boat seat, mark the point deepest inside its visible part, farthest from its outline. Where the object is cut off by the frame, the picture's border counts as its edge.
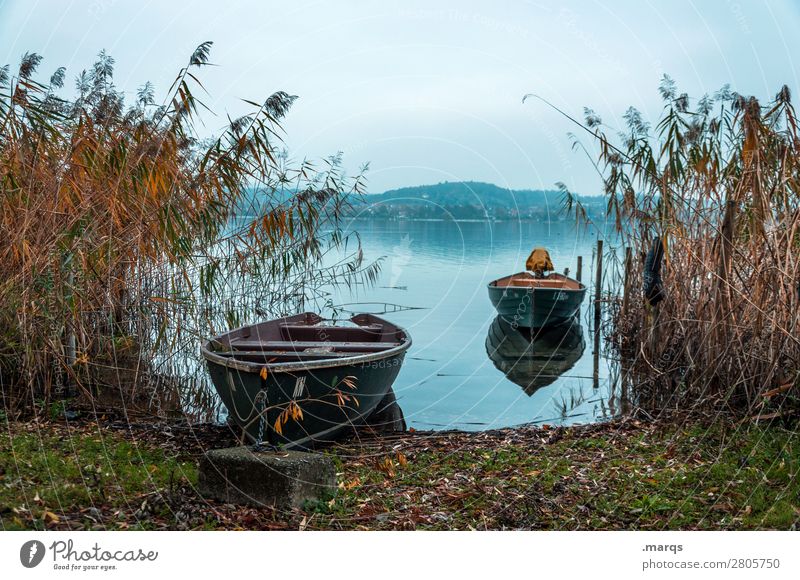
(305, 333)
(268, 357)
(537, 283)
(300, 346)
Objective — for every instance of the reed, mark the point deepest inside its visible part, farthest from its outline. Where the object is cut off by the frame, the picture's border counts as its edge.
(716, 181)
(126, 237)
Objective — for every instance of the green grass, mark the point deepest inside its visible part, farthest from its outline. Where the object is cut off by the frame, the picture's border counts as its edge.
(616, 477)
(94, 473)
(694, 478)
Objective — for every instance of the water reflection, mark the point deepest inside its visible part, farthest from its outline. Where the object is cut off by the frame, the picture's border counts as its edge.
(534, 359)
(447, 381)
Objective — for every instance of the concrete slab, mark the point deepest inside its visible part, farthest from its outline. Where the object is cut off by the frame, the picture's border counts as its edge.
(283, 479)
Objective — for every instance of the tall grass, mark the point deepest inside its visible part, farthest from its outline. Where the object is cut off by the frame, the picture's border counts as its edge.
(717, 182)
(125, 236)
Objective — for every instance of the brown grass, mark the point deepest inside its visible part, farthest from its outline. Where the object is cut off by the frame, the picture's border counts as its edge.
(717, 181)
(125, 237)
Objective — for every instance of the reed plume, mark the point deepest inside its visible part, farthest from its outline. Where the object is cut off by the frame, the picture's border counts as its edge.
(717, 181)
(125, 236)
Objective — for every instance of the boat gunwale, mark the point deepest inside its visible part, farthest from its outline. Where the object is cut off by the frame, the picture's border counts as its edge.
(288, 367)
(493, 284)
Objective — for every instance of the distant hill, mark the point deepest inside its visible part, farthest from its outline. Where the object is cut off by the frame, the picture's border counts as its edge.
(466, 193)
(468, 200)
(451, 200)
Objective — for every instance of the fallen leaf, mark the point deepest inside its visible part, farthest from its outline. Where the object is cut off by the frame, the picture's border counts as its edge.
(351, 484)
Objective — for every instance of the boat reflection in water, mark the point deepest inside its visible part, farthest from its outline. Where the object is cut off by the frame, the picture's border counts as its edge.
(534, 358)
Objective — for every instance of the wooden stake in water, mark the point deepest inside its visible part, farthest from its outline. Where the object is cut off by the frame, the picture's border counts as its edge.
(596, 358)
(579, 269)
(598, 284)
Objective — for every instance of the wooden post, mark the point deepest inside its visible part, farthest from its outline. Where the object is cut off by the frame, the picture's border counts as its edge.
(579, 270)
(598, 283)
(722, 295)
(69, 323)
(596, 358)
(626, 289)
(624, 407)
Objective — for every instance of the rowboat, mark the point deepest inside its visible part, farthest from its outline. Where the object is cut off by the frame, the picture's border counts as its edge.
(535, 359)
(536, 302)
(303, 380)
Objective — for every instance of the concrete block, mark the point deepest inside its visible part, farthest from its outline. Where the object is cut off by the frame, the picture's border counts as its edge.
(283, 479)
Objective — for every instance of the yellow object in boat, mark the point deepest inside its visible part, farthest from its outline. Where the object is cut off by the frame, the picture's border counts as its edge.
(539, 261)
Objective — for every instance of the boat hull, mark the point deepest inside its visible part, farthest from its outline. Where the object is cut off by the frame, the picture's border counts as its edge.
(333, 397)
(325, 419)
(536, 307)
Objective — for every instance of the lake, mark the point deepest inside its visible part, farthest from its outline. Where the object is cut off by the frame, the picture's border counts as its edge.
(448, 380)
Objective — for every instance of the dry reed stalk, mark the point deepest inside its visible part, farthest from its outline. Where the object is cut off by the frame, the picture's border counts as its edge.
(125, 238)
(719, 183)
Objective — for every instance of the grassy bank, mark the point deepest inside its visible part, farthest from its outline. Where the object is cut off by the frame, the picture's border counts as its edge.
(618, 476)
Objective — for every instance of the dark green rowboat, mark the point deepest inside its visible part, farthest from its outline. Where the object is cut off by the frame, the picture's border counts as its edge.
(335, 373)
(531, 302)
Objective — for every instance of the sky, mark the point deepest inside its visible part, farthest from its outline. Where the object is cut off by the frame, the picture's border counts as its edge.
(427, 91)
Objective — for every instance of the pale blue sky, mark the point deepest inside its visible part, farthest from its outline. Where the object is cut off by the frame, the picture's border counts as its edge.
(428, 91)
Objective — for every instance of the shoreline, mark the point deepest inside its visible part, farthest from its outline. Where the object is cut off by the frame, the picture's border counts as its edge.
(623, 474)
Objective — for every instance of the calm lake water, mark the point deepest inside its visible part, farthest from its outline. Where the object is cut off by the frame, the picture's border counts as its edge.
(448, 379)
